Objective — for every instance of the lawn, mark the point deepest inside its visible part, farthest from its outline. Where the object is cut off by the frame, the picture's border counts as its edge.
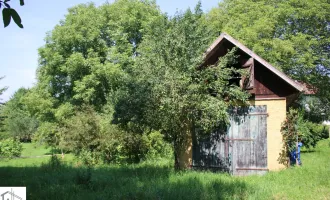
(157, 180)
(31, 149)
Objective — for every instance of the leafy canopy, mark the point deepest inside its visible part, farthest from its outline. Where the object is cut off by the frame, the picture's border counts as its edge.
(86, 56)
(19, 123)
(293, 35)
(168, 91)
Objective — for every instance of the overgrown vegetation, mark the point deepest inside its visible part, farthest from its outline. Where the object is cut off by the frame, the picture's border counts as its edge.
(292, 35)
(18, 122)
(2, 117)
(295, 128)
(158, 180)
(10, 148)
(122, 82)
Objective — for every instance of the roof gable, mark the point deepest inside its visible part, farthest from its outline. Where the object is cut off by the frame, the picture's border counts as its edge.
(246, 50)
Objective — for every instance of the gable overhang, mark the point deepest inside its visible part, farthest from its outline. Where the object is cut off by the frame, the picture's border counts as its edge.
(209, 52)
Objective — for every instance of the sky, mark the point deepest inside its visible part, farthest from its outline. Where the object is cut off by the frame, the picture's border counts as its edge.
(19, 47)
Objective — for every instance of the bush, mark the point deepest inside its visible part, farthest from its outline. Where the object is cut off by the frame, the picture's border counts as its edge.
(10, 148)
(90, 158)
(95, 140)
(311, 132)
(325, 131)
(296, 127)
(157, 147)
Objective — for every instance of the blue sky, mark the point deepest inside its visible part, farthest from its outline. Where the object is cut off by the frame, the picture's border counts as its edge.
(18, 47)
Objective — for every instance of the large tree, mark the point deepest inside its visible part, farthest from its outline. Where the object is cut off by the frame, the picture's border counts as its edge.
(86, 57)
(87, 54)
(293, 35)
(169, 92)
(19, 122)
(2, 116)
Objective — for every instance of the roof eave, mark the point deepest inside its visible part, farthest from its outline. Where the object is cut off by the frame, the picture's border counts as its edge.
(283, 76)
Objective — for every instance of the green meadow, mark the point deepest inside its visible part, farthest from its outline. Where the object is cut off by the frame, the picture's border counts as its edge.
(57, 178)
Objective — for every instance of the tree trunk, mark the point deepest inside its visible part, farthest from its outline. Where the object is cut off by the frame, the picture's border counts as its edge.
(183, 150)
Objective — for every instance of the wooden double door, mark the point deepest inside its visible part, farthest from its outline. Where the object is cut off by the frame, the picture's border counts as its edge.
(240, 148)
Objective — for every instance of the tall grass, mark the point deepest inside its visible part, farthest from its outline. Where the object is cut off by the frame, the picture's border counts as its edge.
(158, 180)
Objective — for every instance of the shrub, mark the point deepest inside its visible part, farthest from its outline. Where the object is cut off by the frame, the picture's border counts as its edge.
(289, 132)
(157, 147)
(324, 131)
(10, 148)
(95, 140)
(47, 133)
(90, 158)
(311, 132)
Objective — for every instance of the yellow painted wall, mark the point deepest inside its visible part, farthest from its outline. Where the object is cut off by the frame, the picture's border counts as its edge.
(276, 109)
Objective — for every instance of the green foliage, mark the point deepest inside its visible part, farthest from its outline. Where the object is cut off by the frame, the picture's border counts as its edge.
(156, 146)
(311, 132)
(10, 148)
(138, 71)
(84, 57)
(47, 134)
(18, 121)
(292, 35)
(2, 116)
(290, 136)
(295, 128)
(95, 140)
(19, 124)
(314, 109)
(9, 13)
(81, 132)
(167, 90)
(89, 158)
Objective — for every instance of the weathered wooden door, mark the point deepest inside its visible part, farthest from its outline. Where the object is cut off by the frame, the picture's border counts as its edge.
(241, 149)
(247, 138)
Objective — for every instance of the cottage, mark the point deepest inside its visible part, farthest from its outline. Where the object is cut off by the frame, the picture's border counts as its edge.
(253, 141)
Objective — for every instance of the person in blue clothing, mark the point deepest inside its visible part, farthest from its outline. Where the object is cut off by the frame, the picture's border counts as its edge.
(299, 147)
(296, 155)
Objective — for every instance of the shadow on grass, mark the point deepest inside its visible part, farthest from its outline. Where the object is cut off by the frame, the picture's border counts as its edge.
(114, 182)
(309, 151)
(54, 151)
